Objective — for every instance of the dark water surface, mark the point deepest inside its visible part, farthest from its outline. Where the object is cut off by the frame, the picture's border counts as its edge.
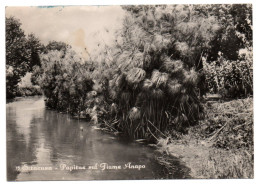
(38, 138)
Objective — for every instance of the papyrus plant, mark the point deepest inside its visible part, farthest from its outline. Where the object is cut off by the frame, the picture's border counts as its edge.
(153, 76)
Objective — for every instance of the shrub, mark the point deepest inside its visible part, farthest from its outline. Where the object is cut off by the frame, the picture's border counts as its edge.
(65, 81)
(231, 78)
(29, 91)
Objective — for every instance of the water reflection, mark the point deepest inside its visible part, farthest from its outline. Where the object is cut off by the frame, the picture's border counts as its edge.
(42, 138)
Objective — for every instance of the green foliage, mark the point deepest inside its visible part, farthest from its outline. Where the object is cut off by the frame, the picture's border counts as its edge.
(29, 91)
(51, 46)
(56, 45)
(150, 73)
(17, 55)
(231, 78)
(65, 81)
(229, 61)
(151, 78)
(36, 73)
(235, 31)
(153, 74)
(35, 48)
(22, 53)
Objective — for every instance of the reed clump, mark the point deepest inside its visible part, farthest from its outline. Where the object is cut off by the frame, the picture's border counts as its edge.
(151, 80)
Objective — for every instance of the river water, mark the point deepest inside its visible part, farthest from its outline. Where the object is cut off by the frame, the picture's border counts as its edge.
(46, 145)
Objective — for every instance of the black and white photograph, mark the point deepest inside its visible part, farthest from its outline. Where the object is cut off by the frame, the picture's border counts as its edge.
(129, 92)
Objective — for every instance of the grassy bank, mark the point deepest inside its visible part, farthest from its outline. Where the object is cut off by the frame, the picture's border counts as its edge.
(221, 146)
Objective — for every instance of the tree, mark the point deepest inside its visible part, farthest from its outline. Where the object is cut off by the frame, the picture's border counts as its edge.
(229, 60)
(57, 45)
(35, 47)
(235, 29)
(17, 55)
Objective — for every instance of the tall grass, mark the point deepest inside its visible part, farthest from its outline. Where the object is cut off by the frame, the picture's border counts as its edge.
(221, 146)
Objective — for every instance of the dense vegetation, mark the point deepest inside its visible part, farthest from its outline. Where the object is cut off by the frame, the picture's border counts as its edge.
(152, 78)
(221, 146)
(153, 81)
(63, 81)
(231, 79)
(22, 53)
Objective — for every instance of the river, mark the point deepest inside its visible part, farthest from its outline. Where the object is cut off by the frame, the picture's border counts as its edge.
(43, 144)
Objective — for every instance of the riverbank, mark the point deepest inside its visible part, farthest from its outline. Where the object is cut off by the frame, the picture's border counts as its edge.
(32, 90)
(221, 146)
(44, 144)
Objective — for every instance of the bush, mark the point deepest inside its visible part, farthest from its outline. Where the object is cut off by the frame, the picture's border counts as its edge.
(231, 79)
(65, 81)
(12, 80)
(29, 91)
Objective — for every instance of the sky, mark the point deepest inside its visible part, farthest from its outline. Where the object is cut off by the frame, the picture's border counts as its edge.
(83, 27)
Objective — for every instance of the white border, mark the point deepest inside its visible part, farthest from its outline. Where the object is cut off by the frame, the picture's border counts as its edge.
(256, 10)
